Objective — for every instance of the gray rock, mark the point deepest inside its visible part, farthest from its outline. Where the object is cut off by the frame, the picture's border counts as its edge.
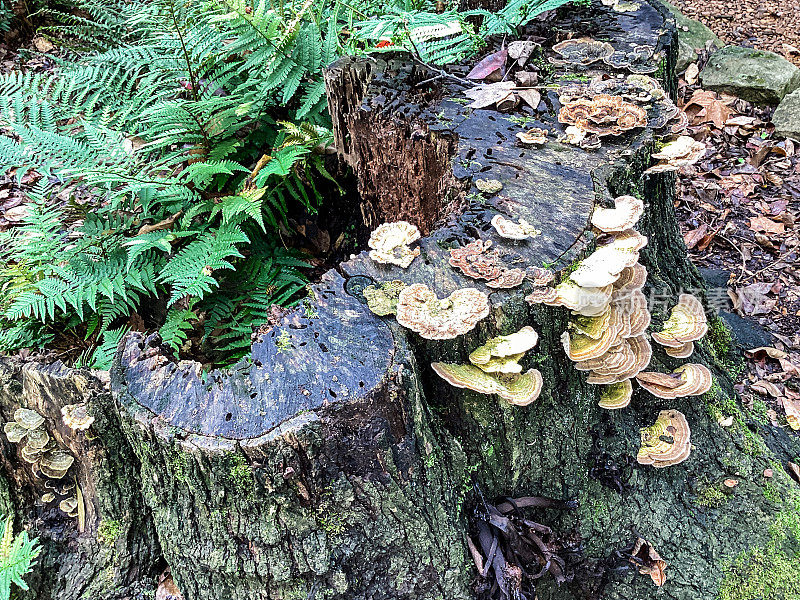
(754, 75)
(692, 35)
(787, 116)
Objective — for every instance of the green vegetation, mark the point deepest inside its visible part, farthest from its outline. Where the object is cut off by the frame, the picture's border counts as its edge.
(176, 138)
(771, 572)
(17, 558)
(710, 496)
(108, 531)
(239, 472)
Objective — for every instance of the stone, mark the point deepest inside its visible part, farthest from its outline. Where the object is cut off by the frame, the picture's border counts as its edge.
(787, 116)
(754, 75)
(692, 35)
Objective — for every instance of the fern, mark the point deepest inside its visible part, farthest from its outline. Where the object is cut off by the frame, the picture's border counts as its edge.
(17, 558)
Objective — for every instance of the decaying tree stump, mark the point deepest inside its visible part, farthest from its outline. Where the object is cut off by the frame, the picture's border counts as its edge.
(334, 463)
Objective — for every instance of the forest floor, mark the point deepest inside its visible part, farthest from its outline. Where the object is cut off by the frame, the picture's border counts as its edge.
(764, 24)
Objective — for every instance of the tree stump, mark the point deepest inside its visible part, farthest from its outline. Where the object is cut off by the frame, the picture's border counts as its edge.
(334, 463)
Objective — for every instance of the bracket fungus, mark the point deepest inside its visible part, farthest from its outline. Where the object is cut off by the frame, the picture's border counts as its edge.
(667, 442)
(55, 464)
(616, 395)
(632, 305)
(603, 115)
(589, 302)
(684, 351)
(502, 346)
(631, 278)
(508, 229)
(581, 51)
(382, 299)
(626, 213)
(581, 347)
(638, 60)
(489, 186)
(479, 261)
(76, 417)
(620, 362)
(390, 244)
(419, 310)
(687, 323)
(532, 137)
(683, 152)
(690, 379)
(519, 390)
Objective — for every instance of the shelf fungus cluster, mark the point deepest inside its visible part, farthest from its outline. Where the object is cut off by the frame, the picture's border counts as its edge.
(420, 310)
(667, 442)
(606, 334)
(479, 260)
(687, 324)
(651, 105)
(41, 452)
(390, 244)
(603, 115)
(581, 51)
(494, 369)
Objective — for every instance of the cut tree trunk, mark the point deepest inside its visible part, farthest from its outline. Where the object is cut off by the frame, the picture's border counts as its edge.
(334, 463)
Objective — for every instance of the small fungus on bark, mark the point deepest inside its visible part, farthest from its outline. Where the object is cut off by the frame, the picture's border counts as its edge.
(603, 115)
(508, 229)
(690, 379)
(76, 417)
(479, 261)
(581, 51)
(683, 152)
(626, 213)
(519, 390)
(616, 395)
(667, 442)
(382, 299)
(687, 323)
(390, 244)
(505, 345)
(419, 310)
(532, 137)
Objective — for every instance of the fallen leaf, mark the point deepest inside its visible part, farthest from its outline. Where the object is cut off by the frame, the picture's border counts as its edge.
(705, 106)
(792, 410)
(754, 300)
(485, 95)
(521, 51)
(531, 97)
(766, 388)
(16, 213)
(494, 62)
(768, 350)
(693, 237)
(766, 225)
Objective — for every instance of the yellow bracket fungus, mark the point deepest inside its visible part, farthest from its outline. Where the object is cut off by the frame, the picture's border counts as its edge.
(519, 390)
(667, 442)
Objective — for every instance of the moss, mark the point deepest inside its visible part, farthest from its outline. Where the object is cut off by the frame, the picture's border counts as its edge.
(284, 342)
(108, 531)
(759, 412)
(772, 493)
(239, 472)
(710, 496)
(180, 466)
(770, 572)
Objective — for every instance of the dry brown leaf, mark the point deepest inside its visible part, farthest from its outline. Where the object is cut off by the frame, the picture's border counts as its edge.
(766, 388)
(486, 95)
(692, 72)
(769, 351)
(531, 97)
(766, 225)
(494, 62)
(43, 44)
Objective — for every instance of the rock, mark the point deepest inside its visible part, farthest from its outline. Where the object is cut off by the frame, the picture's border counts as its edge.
(692, 35)
(754, 75)
(787, 116)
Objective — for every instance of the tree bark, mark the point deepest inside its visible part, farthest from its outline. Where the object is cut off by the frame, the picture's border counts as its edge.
(334, 463)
